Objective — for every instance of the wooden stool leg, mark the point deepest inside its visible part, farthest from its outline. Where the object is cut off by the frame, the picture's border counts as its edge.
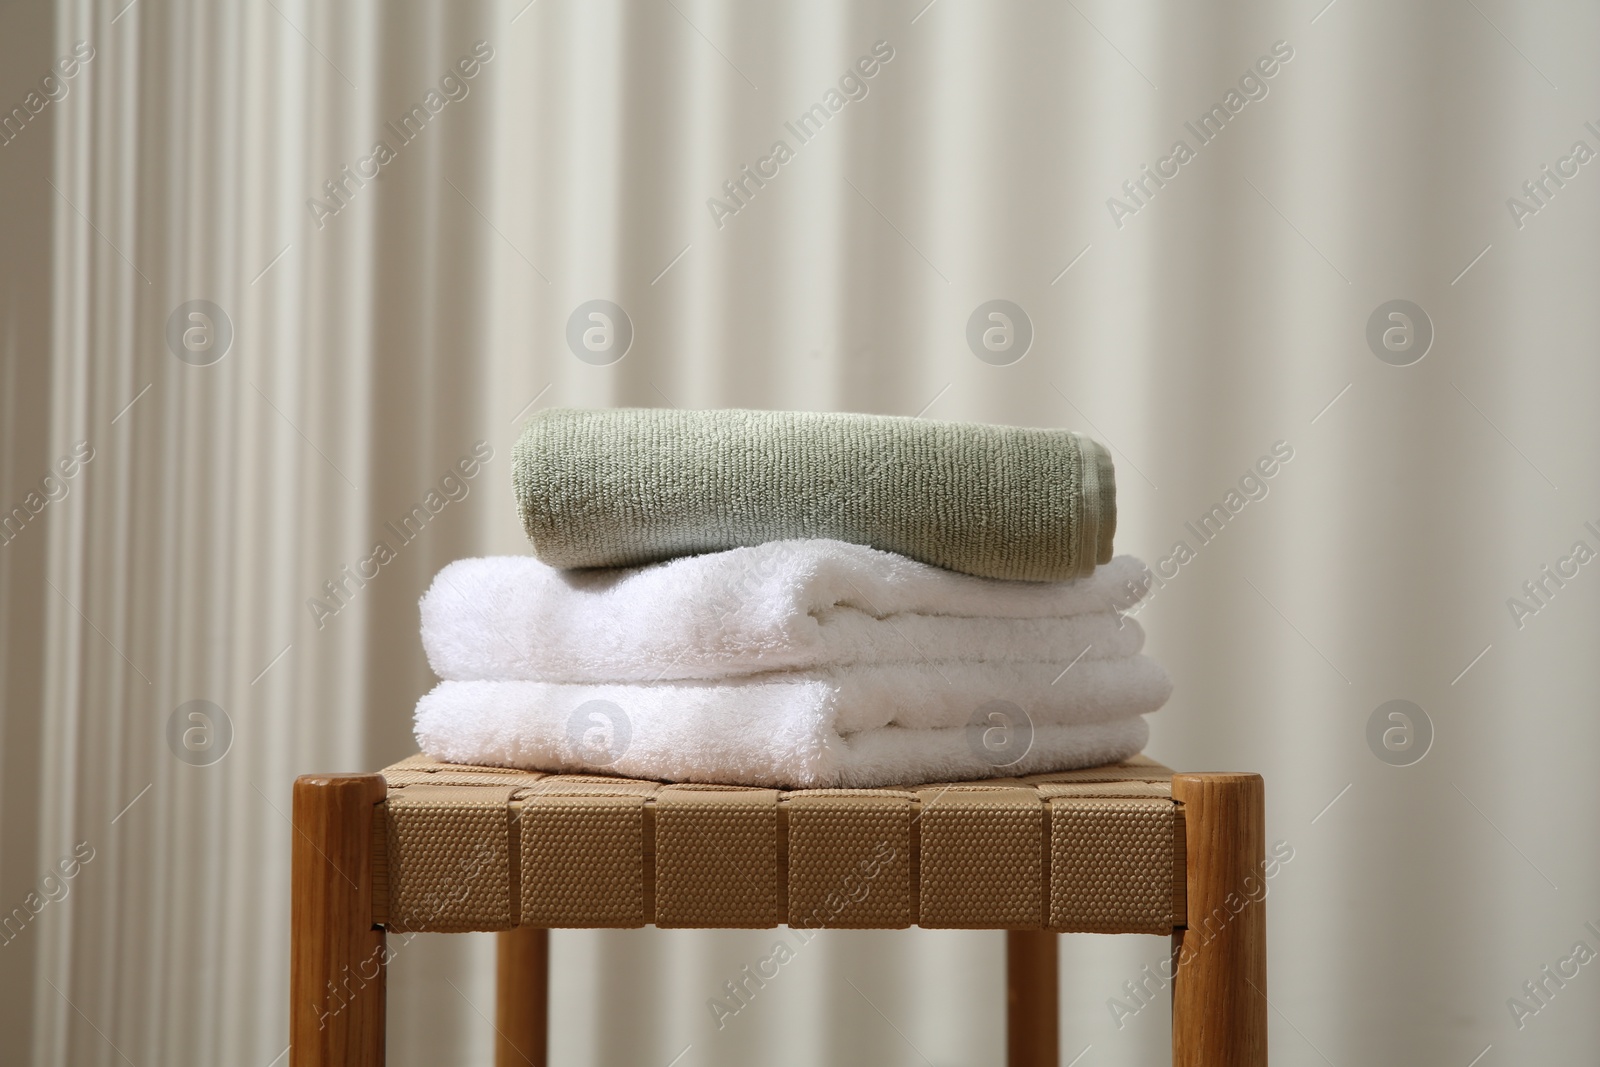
(1033, 1024)
(336, 955)
(523, 1004)
(1219, 1006)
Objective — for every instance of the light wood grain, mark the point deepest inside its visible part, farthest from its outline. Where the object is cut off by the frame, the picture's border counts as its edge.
(1219, 1007)
(336, 954)
(523, 1001)
(1032, 1014)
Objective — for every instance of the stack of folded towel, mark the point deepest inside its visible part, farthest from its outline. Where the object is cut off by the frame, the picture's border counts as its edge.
(777, 599)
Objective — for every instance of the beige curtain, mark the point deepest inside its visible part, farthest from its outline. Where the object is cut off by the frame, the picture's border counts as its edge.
(190, 475)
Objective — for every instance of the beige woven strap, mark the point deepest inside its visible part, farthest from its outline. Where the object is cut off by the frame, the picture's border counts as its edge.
(850, 860)
(581, 861)
(1107, 853)
(482, 848)
(716, 857)
(982, 858)
(449, 858)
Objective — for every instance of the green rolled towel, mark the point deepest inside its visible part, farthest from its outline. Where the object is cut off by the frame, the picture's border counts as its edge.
(636, 485)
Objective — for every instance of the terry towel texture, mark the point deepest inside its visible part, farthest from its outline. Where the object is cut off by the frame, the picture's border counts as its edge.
(630, 486)
(796, 664)
(786, 605)
(775, 735)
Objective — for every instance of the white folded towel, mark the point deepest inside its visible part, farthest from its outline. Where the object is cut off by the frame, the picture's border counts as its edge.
(780, 734)
(793, 664)
(782, 605)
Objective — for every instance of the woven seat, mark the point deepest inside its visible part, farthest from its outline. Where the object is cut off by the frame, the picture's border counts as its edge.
(1125, 848)
(1096, 850)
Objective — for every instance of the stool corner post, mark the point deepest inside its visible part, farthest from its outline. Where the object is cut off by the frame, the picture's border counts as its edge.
(337, 953)
(1219, 1006)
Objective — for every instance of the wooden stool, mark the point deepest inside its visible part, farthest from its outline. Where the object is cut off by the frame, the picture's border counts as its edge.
(1128, 848)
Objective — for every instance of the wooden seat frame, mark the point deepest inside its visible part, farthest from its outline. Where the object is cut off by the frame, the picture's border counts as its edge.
(338, 955)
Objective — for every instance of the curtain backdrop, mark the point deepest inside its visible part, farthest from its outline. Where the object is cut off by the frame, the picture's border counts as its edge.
(272, 268)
